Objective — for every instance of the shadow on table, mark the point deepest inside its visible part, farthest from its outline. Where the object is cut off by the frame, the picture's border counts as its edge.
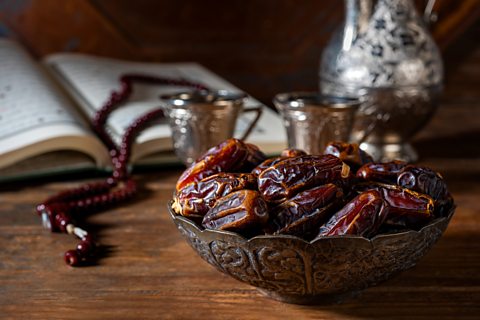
(444, 284)
(95, 229)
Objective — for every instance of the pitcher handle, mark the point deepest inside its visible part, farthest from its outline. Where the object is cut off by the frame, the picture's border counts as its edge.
(429, 15)
(258, 110)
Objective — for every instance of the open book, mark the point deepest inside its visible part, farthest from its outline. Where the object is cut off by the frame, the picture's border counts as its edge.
(46, 107)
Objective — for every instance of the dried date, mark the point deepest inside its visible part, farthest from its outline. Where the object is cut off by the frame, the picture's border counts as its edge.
(381, 172)
(296, 193)
(292, 175)
(350, 153)
(238, 211)
(429, 182)
(266, 164)
(362, 216)
(423, 180)
(287, 153)
(303, 213)
(195, 199)
(406, 208)
(231, 155)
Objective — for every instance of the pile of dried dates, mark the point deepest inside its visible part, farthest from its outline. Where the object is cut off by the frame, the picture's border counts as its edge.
(234, 187)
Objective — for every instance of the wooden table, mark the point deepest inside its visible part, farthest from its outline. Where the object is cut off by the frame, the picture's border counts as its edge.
(151, 273)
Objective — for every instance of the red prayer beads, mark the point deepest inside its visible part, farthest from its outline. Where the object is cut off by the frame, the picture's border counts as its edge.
(58, 211)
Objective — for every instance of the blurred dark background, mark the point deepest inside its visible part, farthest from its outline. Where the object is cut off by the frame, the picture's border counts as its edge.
(264, 47)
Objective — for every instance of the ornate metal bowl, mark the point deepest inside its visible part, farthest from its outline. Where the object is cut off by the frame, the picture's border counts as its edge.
(326, 270)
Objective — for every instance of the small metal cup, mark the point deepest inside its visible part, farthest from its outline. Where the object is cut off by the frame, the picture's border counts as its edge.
(312, 120)
(201, 119)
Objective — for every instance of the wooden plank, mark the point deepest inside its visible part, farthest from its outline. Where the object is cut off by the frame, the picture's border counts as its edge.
(150, 272)
(50, 26)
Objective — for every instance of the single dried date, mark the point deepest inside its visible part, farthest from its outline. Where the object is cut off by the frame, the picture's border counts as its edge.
(195, 199)
(303, 213)
(238, 211)
(362, 216)
(292, 175)
(427, 181)
(406, 208)
(266, 164)
(381, 172)
(287, 153)
(231, 155)
(423, 180)
(350, 153)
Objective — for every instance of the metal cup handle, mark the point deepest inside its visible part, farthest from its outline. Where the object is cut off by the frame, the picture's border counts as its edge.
(258, 110)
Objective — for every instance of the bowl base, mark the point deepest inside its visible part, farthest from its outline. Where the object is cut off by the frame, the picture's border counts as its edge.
(312, 299)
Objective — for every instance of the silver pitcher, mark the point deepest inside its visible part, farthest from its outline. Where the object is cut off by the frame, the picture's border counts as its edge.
(384, 55)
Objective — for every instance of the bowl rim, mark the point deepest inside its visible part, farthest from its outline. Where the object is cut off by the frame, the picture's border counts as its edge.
(192, 224)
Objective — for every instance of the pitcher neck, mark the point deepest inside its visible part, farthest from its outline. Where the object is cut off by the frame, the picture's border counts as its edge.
(357, 16)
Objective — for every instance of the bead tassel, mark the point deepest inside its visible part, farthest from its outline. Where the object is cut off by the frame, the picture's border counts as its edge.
(58, 211)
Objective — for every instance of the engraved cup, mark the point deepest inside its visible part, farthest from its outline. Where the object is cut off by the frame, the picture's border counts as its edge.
(201, 119)
(312, 120)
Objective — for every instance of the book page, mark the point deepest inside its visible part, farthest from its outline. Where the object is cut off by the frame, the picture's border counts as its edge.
(91, 79)
(34, 115)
